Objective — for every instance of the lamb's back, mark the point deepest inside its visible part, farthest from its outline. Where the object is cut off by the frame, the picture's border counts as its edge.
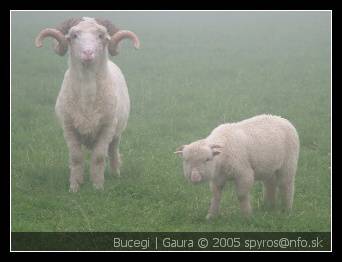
(260, 142)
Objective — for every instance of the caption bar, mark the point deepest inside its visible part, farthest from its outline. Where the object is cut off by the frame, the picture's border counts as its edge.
(196, 241)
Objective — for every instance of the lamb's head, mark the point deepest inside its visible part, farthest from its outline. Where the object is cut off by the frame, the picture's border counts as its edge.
(198, 160)
(88, 38)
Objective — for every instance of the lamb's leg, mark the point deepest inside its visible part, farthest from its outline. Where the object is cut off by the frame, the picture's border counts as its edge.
(99, 155)
(216, 189)
(75, 158)
(244, 183)
(286, 187)
(270, 192)
(114, 156)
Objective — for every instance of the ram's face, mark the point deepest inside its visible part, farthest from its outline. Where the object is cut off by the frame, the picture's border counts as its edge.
(88, 41)
(198, 161)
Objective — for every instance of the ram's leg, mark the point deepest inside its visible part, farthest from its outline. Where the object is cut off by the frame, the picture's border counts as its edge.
(216, 190)
(75, 158)
(97, 169)
(244, 183)
(99, 155)
(114, 155)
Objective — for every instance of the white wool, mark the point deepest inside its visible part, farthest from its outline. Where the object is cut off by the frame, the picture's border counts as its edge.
(263, 147)
(88, 19)
(93, 104)
(263, 143)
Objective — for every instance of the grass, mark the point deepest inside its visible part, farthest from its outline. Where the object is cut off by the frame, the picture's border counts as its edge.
(193, 72)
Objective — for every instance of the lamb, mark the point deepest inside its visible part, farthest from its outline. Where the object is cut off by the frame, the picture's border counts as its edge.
(263, 147)
(93, 104)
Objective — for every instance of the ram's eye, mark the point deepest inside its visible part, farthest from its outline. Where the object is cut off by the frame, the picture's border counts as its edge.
(73, 35)
(208, 159)
(101, 36)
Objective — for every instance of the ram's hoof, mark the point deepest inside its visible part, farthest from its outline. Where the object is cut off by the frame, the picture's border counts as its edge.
(74, 188)
(98, 186)
(210, 216)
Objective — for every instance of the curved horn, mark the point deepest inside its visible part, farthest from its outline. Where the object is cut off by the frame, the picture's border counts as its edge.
(120, 35)
(111, 29)
(60, 47)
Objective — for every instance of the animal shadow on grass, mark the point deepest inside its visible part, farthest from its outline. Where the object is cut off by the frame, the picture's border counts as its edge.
(235, 216)
(50, 177)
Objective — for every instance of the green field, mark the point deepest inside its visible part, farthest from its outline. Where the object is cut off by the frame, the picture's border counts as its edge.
(194, 71)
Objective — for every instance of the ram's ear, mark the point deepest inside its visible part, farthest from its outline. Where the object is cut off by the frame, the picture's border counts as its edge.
(217, 149)
(179, 150)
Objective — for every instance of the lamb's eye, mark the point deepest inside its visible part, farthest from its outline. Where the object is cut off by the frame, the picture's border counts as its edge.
(208, 159)
(73, 35)
(101, 36)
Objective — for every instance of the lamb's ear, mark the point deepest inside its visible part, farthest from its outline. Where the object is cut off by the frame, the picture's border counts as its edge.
(217, 149)
(179, 150)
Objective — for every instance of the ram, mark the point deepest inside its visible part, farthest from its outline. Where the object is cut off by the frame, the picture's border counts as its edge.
(93, 103)
(263, 147)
